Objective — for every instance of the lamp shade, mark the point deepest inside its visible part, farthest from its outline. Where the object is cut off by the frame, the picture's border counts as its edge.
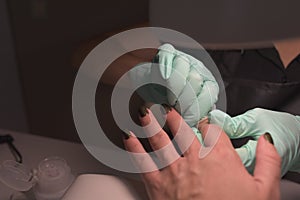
(229, 23)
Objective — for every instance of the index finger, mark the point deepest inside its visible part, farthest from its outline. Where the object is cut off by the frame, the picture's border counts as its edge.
(158, 139)
(213, 136)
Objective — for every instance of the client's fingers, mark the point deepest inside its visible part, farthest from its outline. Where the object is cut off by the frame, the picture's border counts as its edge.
(158, 139)
(183, 134)
(139, 156)
(213, 136)
(212, 133)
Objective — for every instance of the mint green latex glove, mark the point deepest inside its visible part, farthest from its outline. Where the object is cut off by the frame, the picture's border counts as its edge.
(193, 90)
(283, 127)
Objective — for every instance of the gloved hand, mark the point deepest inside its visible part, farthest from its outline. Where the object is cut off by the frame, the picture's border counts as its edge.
(185, 76)
(193, 90)
(283, 127)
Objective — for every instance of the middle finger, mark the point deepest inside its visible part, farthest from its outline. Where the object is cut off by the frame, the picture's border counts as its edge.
(183, 135)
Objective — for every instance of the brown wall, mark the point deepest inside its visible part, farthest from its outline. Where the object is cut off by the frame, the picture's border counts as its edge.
(47, 33)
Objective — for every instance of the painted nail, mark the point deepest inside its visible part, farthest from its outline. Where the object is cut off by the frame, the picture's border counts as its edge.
(143, 111)
(268, 137)
(165, 109)
(126, 134)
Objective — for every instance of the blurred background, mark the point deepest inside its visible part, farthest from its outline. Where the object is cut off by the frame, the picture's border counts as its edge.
(43, 43)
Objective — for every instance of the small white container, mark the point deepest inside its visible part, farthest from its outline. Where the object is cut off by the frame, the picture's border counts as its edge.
(53, 179)
(49, 182)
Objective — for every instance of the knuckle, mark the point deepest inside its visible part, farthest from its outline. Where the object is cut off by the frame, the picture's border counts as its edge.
(156, 140)
(133, 146)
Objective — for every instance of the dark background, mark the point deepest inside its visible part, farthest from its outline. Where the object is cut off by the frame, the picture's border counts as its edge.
(42, 45)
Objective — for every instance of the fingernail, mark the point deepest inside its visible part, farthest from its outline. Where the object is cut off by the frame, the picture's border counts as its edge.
(268, 137)
(202, 122)
(165, 109)
(143, 111)
(126, 134)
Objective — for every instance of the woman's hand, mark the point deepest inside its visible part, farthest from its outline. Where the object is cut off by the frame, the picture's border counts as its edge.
(218, 175)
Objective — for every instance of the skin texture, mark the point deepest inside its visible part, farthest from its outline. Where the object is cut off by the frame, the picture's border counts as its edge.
(288, 50)
(219, 175)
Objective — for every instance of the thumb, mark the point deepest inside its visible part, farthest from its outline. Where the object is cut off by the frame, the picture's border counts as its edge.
(268, 164)
(235, 127)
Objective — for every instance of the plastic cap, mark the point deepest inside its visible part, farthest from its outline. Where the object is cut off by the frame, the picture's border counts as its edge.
(16, 175)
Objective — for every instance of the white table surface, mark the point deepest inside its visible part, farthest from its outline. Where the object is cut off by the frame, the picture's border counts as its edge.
(36, 148)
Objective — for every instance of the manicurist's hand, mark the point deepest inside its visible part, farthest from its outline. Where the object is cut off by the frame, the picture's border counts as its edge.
(283, 127)
(211, 172)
